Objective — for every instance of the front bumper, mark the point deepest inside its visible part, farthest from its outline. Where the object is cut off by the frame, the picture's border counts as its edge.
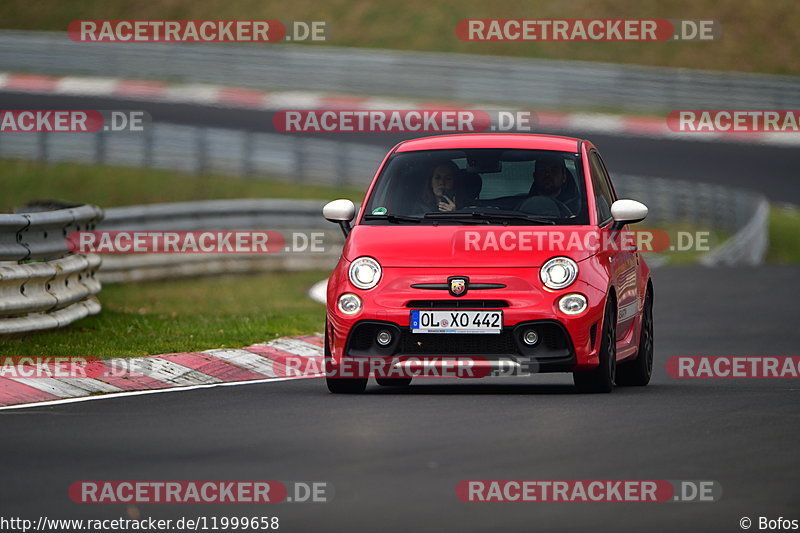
(567, 343)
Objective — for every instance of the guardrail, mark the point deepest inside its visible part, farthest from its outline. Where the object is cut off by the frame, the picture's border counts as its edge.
(732, 211)
(486, 79)
(206, 150)
(54, 293)
(41, 285)
(335, 162)
(244, 214)
(739, 213)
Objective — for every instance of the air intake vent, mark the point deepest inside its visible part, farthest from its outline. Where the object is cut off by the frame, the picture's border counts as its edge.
(457, 304)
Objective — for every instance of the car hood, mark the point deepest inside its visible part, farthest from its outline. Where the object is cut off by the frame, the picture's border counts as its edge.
(469, 246)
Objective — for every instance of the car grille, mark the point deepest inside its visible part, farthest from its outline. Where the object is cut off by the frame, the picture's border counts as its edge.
(459, 344)
(552, 336)
(457, 304)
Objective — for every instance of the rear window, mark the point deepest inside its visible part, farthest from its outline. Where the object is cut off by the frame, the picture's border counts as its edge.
(486, 186)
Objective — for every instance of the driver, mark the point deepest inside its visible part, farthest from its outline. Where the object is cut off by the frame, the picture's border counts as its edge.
(550, 179)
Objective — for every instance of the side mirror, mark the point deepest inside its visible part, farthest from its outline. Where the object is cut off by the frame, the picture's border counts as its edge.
(627, 212)
(340, 212)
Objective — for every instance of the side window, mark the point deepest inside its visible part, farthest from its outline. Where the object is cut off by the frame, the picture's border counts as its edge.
(607, 178)
(603, 195)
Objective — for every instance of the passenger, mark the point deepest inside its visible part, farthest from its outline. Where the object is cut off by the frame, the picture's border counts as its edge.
(438, 193)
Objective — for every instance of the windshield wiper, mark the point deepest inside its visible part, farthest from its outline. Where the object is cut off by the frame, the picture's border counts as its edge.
(490, 216)
(393, 218)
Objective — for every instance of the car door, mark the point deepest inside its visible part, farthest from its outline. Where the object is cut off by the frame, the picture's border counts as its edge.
(622, 259)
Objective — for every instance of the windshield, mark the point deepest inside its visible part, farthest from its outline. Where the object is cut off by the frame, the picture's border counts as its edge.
(480, 186)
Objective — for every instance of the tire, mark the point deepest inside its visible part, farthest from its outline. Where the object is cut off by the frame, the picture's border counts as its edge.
(340, 385)
(637, 373)
(601, 379)
(346, 385)
(394, 382)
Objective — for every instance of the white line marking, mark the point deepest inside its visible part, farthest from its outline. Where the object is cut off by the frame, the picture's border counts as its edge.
(168, 371)
(80, 85)
(596, 122)
(787, 138)
(293, 100)
(143, 392)
(389, 103)
(65, 388)
(297, 347)
(3, 79)
(196, 93)
(247, 360)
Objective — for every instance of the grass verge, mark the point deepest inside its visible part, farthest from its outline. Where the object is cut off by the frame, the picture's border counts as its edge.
(784, 235)
(185, 315)
(222, 312)
(107, 186)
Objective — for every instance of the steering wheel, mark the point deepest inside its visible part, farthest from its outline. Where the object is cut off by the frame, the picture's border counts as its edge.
(544, 206)
(566, 212)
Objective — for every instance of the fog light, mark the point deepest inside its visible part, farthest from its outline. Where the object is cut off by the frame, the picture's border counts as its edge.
(384, 337)
(531, 337)
(349, 303)
(572, 304)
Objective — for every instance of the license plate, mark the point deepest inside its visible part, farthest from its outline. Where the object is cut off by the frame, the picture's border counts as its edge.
(456, 321)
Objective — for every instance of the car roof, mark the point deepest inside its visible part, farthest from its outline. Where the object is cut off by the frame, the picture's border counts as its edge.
(492, 140)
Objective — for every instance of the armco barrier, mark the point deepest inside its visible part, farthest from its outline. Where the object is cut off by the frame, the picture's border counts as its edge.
(445, 77)
(39, 295)
(334, 162)
(207, 150)
(41, 285)
(41, 234)
(243, 214)
(736, 212)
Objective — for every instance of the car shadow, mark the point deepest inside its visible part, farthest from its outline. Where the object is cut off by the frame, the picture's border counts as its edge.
(461, 388)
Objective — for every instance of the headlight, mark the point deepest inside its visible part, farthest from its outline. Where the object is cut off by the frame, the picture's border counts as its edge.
(349, 303)
(558, 272)
(365, 272)
(572, 304)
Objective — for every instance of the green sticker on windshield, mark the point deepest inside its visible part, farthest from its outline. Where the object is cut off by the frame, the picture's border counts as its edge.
(379, 211)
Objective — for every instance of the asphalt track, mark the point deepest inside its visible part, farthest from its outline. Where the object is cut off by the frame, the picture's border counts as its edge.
(395, 456)
(772, 170)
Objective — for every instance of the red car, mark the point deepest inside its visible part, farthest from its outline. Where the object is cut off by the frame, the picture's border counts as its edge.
(489, 254)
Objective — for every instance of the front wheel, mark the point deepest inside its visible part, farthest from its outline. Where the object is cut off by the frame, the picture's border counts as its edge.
(601, 379)
(346, 385)
(637, 372)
